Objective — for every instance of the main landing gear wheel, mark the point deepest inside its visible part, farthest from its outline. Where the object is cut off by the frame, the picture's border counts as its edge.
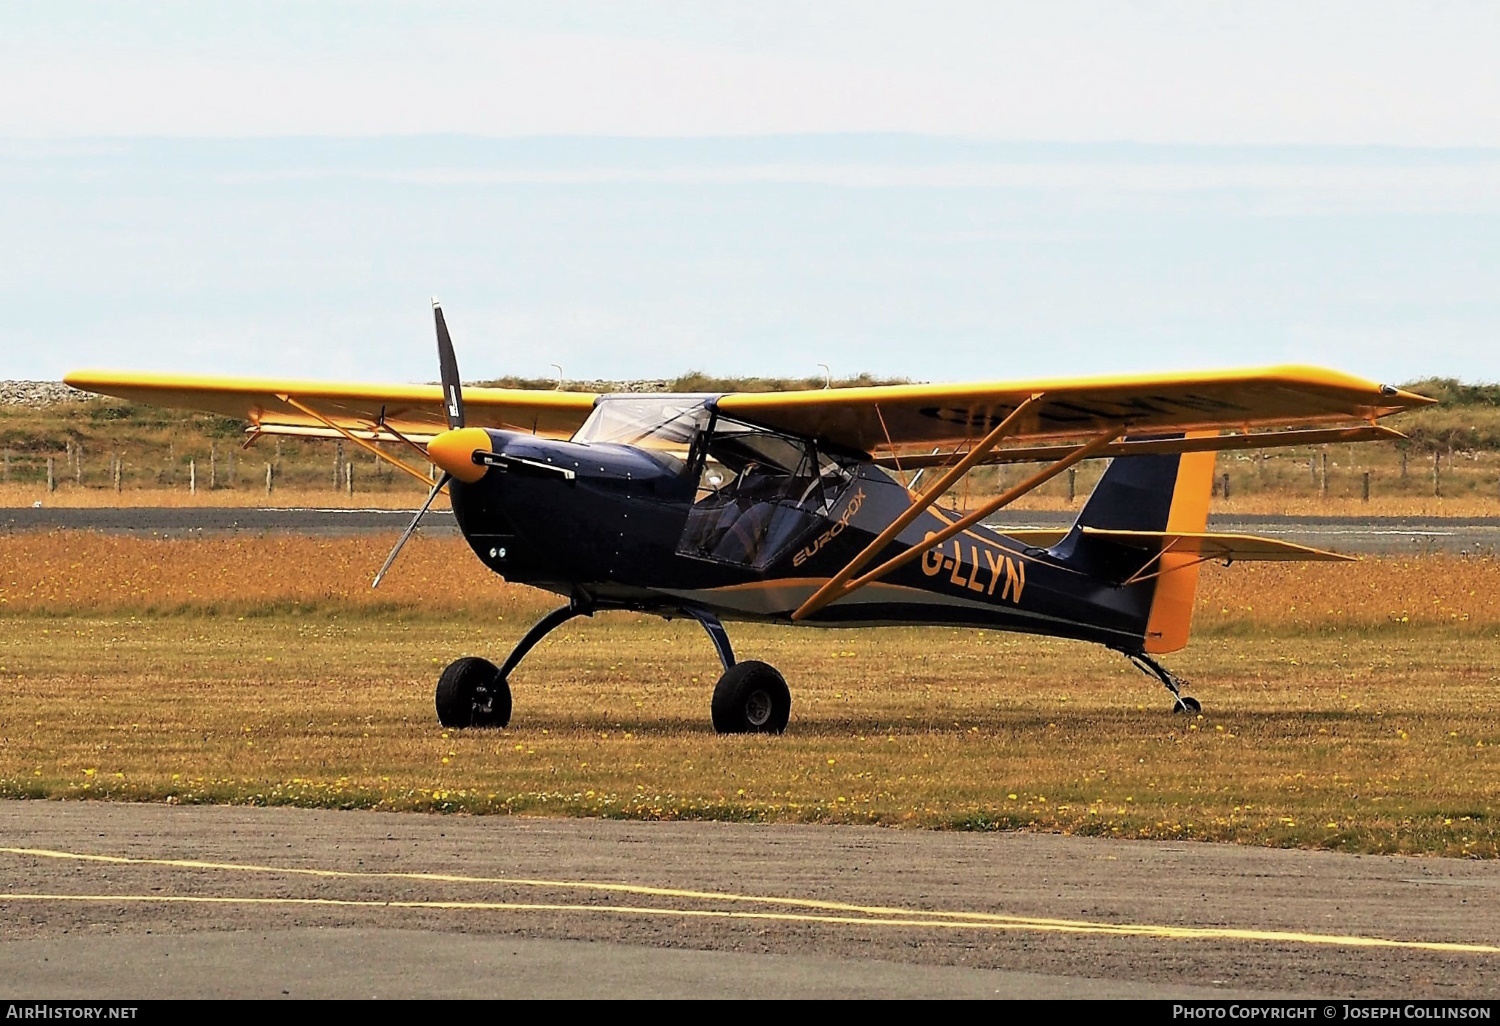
(751, 698)
(472, 693)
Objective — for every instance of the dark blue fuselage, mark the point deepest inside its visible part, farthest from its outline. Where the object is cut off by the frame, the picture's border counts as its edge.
(603, 524)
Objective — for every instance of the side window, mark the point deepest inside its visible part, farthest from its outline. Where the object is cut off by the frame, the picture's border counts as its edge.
(758, 492)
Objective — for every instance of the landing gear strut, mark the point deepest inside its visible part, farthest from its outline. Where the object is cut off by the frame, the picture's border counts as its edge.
(474, 692)
(1150, 667)
(751, 697)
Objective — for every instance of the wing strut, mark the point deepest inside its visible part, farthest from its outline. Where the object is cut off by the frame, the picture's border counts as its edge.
(360, 441)
(826, 594)
(835, 586)
(382, 426)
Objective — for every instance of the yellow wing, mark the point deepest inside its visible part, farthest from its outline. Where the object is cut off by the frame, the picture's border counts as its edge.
(893, 418)
(906, 417)
(312, 408)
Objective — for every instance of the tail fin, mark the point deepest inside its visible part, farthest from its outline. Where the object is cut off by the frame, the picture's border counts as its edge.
(1158, 494)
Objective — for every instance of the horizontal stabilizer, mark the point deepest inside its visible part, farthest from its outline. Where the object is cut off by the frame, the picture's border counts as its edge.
(1036, 537)
(1230, 547)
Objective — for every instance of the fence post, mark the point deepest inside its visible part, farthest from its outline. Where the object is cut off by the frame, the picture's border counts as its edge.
(1367, 487)
(1437, 480)
(1072, 483)
(51, 473)
(78, 464)
(192, 477)
(338, 464)
(268, 479)
(349, 477)
(1224, 486)
(119, 472)
(1323, 477)
(213, 465)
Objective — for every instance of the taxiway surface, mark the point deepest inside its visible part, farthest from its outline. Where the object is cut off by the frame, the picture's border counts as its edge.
(1384, 535)
(140, 901)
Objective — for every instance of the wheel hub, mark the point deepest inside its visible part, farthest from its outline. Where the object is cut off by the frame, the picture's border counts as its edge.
(758, 707)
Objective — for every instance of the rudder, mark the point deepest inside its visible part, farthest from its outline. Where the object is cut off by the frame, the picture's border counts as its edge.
(1171, 616)
(1158, 493)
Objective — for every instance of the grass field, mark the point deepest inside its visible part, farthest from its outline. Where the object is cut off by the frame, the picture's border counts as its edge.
(1348, 707)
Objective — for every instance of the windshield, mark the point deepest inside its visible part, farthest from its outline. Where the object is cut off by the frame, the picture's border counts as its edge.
(664, 425)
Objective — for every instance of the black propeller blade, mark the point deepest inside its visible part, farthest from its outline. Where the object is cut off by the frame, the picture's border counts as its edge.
(453, 390)
(453, 404)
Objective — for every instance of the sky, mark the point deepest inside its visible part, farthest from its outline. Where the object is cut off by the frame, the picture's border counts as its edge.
(936, 191)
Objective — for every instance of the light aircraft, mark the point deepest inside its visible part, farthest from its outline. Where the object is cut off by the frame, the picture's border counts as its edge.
(781, 506)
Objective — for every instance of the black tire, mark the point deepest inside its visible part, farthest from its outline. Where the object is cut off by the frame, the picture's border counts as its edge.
(471, 693)
(751, 698)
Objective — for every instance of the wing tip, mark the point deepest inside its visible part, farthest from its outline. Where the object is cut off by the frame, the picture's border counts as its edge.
(1407, 398)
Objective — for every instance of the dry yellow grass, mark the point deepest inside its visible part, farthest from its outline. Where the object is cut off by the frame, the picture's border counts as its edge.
(83, 571)
(66, 572)
(1348, 707)
(1371, 595)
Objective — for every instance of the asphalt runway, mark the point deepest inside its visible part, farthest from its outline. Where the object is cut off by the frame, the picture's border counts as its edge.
(1362, 535)
(104, 900)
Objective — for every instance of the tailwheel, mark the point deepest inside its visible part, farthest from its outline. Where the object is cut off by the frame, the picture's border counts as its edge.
(1150, 667)
(751, 698)
(472, 693)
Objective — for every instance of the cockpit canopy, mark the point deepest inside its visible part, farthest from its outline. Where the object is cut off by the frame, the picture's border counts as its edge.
(663, 425)
(758, 490)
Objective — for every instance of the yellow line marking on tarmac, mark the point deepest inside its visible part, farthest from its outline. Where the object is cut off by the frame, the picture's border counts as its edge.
(1105, 929)
(864, 915)
(644, 890)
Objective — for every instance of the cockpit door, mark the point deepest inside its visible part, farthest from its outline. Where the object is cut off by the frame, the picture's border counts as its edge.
(758, 492)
